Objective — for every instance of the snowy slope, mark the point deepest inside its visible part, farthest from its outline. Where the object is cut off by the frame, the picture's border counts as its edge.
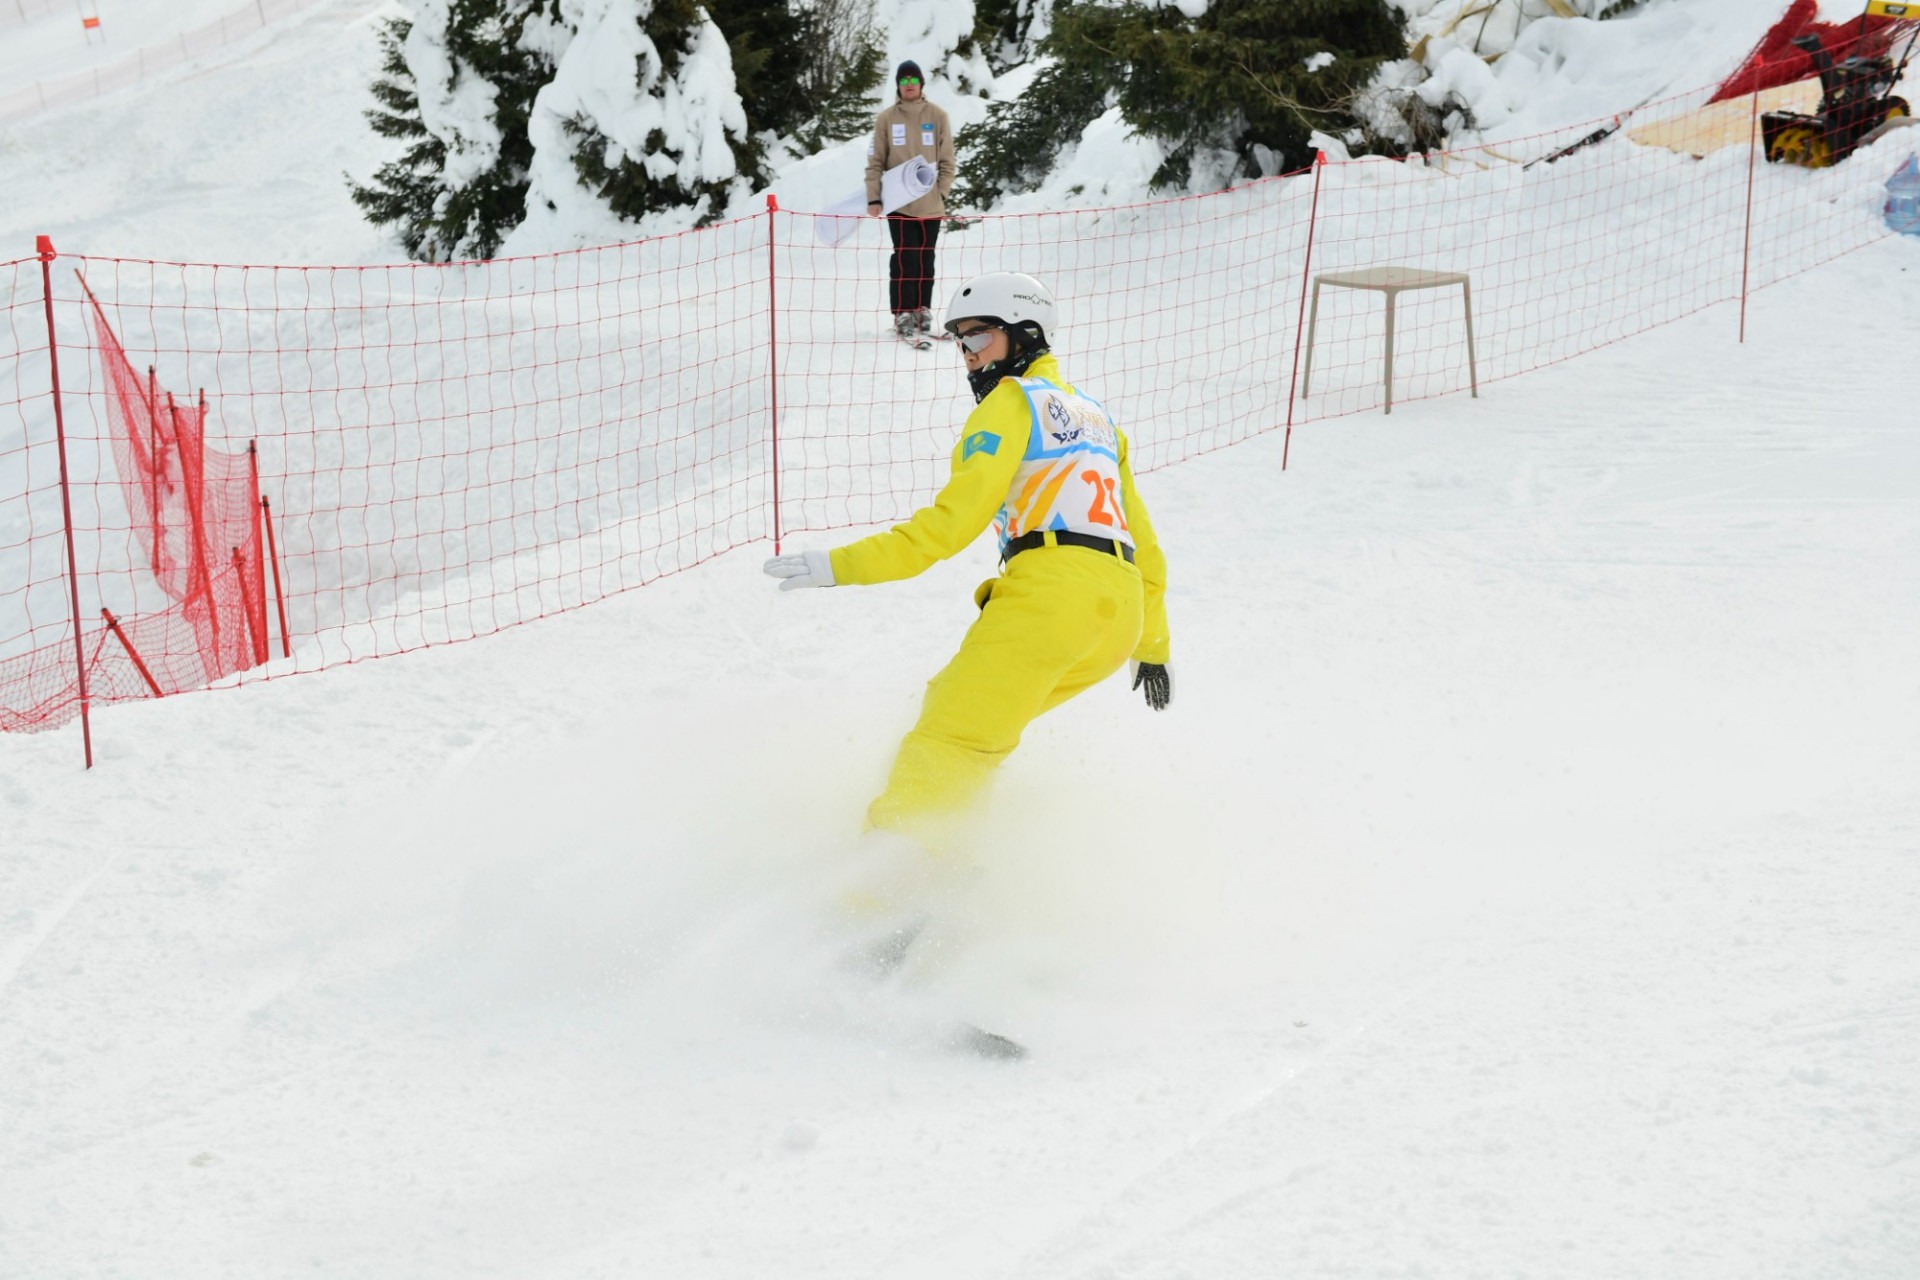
(240, 156)
(51, 43)
(298, 91)
(1522, 880)
(1520, 884)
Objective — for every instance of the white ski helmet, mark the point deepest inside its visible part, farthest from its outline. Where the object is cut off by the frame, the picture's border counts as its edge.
(1010, 298)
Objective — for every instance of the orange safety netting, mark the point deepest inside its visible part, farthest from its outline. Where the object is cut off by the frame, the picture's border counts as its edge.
(196, 520)
(196, 515)
(457, 449)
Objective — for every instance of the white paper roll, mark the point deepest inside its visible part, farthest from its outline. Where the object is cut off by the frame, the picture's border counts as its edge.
(900, 185)
(905, 183)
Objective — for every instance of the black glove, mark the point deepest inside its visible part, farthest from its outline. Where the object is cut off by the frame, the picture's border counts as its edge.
(1158, 679)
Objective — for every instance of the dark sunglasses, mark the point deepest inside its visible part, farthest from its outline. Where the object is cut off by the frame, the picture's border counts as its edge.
(912, 81)
(976, 340)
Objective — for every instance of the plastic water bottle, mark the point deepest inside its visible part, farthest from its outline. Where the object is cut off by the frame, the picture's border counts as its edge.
(1903, 197)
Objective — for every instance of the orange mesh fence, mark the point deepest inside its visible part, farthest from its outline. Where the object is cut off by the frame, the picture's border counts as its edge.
(37, 672)
(1170, 313)
(195, 565)
(195, 523)
(451, 450)
(447, 451)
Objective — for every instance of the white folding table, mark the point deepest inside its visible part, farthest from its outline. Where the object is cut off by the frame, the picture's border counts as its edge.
(1392, 281)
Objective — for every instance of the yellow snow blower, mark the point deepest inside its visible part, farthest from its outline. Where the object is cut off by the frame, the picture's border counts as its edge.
(1856, 94)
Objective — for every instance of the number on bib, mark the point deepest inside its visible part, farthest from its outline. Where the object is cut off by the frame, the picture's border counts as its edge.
(1106, 504)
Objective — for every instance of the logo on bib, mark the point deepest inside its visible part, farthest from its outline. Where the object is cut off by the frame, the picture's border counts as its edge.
(1063, 432)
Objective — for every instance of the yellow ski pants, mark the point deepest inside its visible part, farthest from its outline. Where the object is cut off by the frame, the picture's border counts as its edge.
(1058, 621)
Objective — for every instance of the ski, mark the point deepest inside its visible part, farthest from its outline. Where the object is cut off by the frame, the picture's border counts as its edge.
(918, 341)
(880, 959)
(968, 1038)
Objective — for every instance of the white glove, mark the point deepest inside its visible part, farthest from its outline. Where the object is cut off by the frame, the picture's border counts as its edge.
(808, 569)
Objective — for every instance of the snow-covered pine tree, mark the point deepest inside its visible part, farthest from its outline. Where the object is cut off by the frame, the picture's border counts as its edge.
(1244, 86)
(766, 40)
(641, 119)
(842, 64)
(458, 79)
(1229, 88)
(1017, 145)
(721, 82)
(1006, 30)
(805, 71)
(1417, 103)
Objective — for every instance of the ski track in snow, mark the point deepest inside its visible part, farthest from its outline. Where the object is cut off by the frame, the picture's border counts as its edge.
(14, 956)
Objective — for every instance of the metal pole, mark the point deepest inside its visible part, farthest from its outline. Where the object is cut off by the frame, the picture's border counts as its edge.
(259, 568)
(1746, 248)
(279, 597)
(256, 643)
(44, 246)
(200, 569)
(155, 468)
(773, 364)
(1306, 274)
(113, 625)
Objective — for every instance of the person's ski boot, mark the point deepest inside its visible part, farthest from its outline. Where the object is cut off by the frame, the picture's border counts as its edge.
(906, 327)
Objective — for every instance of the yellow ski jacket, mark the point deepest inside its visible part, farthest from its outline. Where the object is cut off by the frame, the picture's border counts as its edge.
(984, 462)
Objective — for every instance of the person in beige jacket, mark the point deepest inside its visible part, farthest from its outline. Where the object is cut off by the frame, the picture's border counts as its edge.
(912, 126)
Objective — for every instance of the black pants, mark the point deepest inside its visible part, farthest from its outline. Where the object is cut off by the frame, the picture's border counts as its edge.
(910, 275)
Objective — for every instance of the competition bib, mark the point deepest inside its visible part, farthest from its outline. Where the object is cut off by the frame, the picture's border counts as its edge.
(1069, 480)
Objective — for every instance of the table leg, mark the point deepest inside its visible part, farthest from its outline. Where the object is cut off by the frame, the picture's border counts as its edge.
(1390, 297)
(1313, 321)
(1473, 372)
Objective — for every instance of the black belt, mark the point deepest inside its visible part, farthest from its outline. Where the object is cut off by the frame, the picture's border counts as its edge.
(1048, 538)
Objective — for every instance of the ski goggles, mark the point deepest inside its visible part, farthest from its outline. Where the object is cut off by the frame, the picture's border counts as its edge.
(910, 81)
(978, 340)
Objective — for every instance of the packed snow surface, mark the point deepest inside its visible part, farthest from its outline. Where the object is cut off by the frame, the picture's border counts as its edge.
(240, 156)
(1522, 878)
(51, 42)
(1522, 881)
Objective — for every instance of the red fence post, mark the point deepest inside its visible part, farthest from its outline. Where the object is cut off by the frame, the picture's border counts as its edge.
(773, 363)
(259, 560)
(44, 246)
(279, 598)
(113, 625)
(1300, 320)
(1746, 248)
(154, 464)
(193, 472)
(256, 643)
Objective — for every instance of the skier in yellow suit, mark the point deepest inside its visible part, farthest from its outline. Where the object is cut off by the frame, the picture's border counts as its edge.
(1083, 581)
